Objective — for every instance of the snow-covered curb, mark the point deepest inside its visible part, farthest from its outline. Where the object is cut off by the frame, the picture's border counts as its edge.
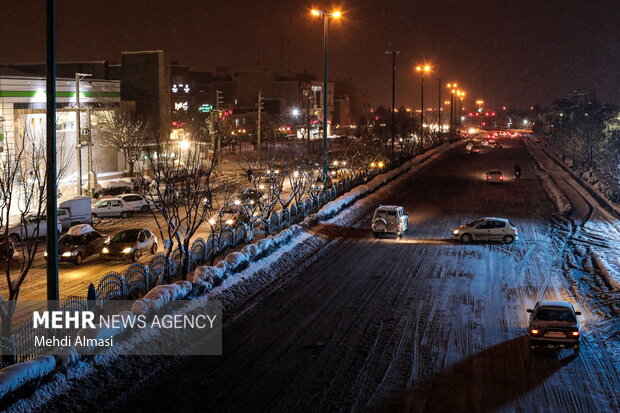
(609, 274)
(237, 268)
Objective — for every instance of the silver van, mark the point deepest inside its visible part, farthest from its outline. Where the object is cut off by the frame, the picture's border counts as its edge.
(390, 219)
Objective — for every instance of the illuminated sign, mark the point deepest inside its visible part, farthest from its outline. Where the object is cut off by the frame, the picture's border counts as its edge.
(180, 105)
(204, 108)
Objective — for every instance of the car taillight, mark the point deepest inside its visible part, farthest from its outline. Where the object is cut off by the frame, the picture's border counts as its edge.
(575, 333)
(501, 178)
(534, 332)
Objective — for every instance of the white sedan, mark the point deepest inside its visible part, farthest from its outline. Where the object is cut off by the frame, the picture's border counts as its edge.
(112, 207)
(31, 227)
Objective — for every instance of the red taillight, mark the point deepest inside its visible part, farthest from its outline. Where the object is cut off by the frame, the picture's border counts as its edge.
(575, 333)
(488, 178)
(501, 178)
(534, 332)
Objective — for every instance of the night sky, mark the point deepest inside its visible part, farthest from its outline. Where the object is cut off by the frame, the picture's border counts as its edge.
(513, 53)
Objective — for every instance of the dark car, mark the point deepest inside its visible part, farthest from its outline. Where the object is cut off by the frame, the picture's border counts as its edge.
(250, 194)
(76, 248)
(553, 324)
(6, 248)
(130, 244)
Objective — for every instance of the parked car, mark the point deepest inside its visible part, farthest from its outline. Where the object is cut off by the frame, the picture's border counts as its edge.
(495, 177)
(112, 207)
(28, 228)
(487, 229)
(138, 202)
(553, 324)
(7, 249)
(390, 219)
(130, 244)
(74, 211)
(79, 243)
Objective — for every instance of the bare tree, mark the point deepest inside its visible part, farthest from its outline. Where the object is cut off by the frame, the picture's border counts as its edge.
(23, 196)
(182, 176)
(118, 129)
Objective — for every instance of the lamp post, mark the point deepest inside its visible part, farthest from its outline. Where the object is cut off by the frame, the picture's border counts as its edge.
(461, 96)
(393, 53)
(422, 69)
(452, 89)
(50, 174)
(325, 16)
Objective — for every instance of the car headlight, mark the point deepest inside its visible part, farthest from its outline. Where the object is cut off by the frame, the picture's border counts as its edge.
(105, 250)
(66, 254)
(45, 254)
(127, 250)
(229, 222)
(455, 232)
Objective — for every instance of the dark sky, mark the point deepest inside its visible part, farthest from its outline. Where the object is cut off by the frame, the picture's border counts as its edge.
(513, 53)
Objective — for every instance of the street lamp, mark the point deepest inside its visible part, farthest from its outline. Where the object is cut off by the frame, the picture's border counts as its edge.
(452, 88)
(461, 95)
(325, 16)
(393, 53)
(422, 69)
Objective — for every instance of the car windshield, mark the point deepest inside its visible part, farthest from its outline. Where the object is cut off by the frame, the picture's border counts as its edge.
(556, 314)
(70, 240)
(473, 224)
(131, 235)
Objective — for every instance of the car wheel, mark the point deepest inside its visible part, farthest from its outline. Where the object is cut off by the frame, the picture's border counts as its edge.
(154, 249)
(135, 256)
(94, 215)
(374, 234)
(78, 259)
(465, 238)
(124, 214)
(508, 239)
(576, 350)
(144, 208)
(14, 238)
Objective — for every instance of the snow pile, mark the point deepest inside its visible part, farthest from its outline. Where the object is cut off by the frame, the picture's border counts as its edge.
(101, 332)
(608, 272)
(80, 229)
(66, 355)
(237, 261)
(560, 200)
(160, 295)
(15, 376)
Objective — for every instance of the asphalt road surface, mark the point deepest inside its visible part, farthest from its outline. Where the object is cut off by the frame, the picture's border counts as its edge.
(420, 324)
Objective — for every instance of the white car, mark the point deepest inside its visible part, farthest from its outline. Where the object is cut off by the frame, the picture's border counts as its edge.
(487, 229)
(112, 207)
(390, 219)
(138, 202)
(28, 228)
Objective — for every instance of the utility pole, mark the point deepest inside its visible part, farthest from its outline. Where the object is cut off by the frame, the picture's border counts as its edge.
(393, 53)
(219, 102)
(258, 131)
(422, 110)
(325, 109)
(92, 176)
(50, 174)
(451, 111)
(439, 106)
(78, 131)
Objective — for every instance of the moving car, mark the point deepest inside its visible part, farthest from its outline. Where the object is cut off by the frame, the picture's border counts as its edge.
(79, 243)
(553, 324)
(250, 194)
(495, 177)
(138, 202)
(499, 145)
(487, 229)
(475, 150)
(112, 207)
(390, 219)
(29, 227)
(130, 244)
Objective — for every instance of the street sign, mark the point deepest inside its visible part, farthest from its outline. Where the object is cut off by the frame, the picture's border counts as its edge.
(204, 108)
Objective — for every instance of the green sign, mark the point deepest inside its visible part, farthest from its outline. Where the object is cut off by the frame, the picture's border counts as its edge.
(1, 137)
(204, 108)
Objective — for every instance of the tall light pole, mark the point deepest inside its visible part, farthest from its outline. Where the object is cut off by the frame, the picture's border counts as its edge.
(393, 53)
(422, 69)
(452, 89)
(50, 174)
(78, 133)
(439, 104)
(461, 95)
(325, 16)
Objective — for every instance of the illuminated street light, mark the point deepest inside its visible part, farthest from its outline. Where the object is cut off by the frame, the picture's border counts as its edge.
(184, 145)
(295, 112)
(422, 69)
(336, 14)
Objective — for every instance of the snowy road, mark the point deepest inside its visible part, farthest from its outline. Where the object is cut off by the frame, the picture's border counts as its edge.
(418, 324)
